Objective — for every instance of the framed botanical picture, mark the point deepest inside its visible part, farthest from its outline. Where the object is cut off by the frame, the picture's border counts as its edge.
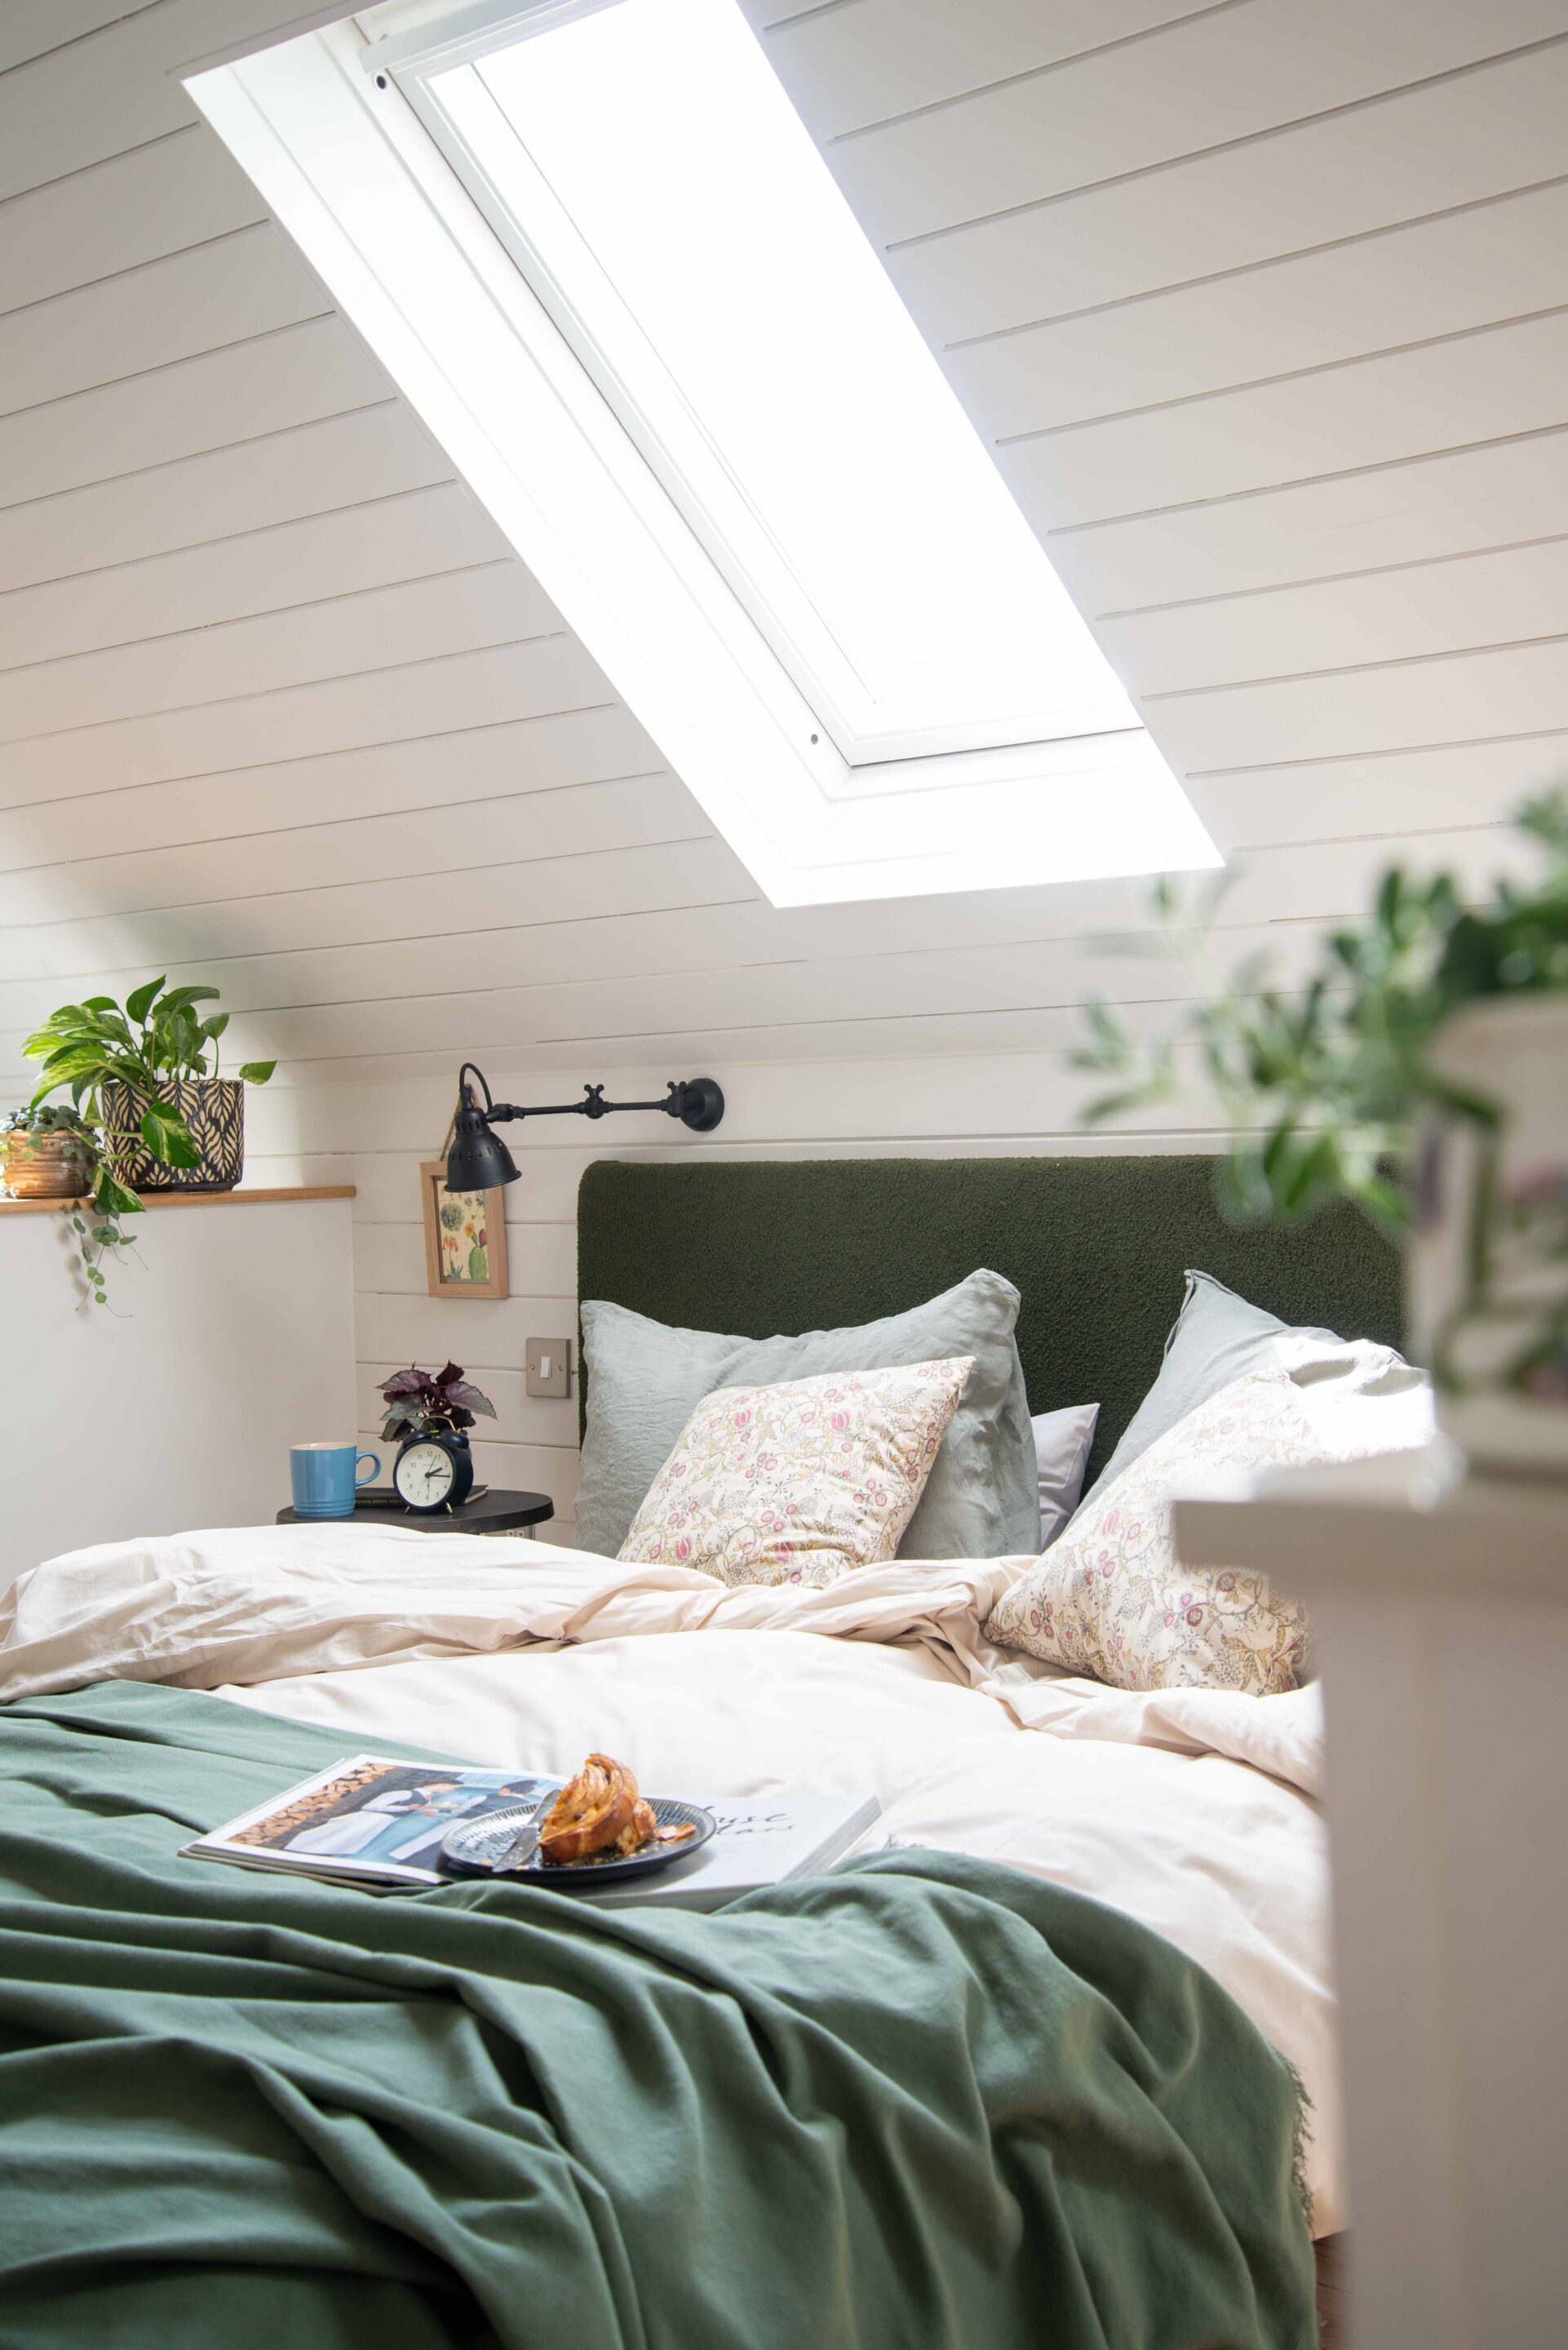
(465, 1238)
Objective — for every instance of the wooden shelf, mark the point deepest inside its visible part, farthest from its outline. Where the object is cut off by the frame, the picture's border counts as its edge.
(241, 1199)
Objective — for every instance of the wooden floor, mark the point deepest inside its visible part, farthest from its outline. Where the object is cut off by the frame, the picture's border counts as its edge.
(1331, 2304)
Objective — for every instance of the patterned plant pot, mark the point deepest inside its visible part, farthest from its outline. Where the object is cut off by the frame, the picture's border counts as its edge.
(1488, 1264)
(214, 1111)
(42, 1166)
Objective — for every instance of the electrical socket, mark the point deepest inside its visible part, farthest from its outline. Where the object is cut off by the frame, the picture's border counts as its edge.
(548, 1367)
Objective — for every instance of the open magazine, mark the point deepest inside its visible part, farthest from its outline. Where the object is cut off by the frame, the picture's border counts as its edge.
(367, 1820)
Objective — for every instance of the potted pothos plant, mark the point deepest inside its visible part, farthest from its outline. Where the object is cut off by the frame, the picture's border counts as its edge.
(145, 1075)
(50, 1152)
(1421, 1071)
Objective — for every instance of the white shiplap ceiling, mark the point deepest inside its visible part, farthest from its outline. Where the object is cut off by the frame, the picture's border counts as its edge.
(1263, 305)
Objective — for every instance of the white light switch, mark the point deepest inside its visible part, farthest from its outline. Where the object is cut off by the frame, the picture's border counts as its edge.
(548, 1367)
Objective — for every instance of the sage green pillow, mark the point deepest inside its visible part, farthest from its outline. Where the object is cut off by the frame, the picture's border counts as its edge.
(645, 1378)
(1217, 1339)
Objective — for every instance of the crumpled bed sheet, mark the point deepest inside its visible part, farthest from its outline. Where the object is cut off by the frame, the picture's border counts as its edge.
(1194, 1810)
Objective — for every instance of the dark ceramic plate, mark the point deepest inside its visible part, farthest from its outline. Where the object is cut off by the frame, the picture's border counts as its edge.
(503, 1844)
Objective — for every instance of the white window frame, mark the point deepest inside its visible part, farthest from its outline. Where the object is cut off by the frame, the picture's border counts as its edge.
(588, 307)
(328, 129)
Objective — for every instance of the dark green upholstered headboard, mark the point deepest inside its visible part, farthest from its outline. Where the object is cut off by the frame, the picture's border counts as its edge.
(1097, 1247)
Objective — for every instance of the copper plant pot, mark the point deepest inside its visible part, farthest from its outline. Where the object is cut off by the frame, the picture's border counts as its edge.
(49, 1166)
(214, 1111)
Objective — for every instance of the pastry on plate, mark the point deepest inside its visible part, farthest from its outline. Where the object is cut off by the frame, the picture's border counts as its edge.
(600, 1814)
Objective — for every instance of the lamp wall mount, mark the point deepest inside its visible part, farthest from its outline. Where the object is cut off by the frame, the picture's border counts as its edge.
(478, 1158)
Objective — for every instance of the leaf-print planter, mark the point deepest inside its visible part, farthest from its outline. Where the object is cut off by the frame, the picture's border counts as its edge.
(214, 1108)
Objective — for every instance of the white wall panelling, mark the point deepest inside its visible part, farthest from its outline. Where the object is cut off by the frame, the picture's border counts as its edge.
(1409, 155)
(1490, 383)
(348, 634)
(1358, 521)
(229, 290)
(341, 554)
(262, 484)
(1208, 78)
(283, 376)
(1294, 316)
(659, 975)
(239, 1321)
(441, 693)
(121, 214)
(1265, 303)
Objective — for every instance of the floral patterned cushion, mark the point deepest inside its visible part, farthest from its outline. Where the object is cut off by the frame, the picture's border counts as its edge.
(1110, 1599)
(799, 1482)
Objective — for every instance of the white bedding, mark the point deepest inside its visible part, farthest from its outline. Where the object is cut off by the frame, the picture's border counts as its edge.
(1191, 1810)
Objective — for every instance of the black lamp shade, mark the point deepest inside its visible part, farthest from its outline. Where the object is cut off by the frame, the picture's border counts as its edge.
(478, 1158)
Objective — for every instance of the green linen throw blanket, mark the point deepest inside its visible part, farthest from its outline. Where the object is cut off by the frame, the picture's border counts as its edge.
(923, 2102)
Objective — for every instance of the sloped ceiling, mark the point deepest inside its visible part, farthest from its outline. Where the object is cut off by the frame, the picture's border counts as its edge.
(1263, 306)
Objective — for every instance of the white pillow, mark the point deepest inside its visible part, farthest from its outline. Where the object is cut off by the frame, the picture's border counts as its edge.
(799, 1482)
(1216, 1337)
(1111, 1598)
(1061, 1443)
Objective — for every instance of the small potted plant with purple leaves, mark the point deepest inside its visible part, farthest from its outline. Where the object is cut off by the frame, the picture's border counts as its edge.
(428, 1414)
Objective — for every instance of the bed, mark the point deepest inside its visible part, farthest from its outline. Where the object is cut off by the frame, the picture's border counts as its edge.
(1192, 1813)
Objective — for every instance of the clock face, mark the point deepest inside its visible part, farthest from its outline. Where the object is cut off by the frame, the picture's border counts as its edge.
(425, 1475)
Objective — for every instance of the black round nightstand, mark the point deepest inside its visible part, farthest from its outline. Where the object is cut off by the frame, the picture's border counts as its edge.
(496, 1512)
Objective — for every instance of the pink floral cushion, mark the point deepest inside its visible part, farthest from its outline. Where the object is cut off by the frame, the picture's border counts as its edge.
(799, 1482)
(1112, 1599)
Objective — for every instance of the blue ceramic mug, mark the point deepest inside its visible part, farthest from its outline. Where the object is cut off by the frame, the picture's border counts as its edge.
(323, 1477)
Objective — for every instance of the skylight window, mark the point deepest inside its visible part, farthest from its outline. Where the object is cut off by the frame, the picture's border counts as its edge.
(598, 252)
(704, 264)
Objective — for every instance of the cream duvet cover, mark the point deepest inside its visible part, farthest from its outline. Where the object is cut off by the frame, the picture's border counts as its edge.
(1194, 1810)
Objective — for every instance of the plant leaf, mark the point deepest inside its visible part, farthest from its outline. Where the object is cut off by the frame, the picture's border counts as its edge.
(90, 1051)
(1109, 1105)
(462, 1393)
(111, 1197)
(140, 1002)
(167, 1136)
(78, 1071)
(256, 1073)
(77, 1060)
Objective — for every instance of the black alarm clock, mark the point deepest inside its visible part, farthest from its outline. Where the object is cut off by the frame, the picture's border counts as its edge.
(433, 1472)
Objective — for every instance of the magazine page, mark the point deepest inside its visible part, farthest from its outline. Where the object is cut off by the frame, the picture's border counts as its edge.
(371, 1819)
(769, 1840)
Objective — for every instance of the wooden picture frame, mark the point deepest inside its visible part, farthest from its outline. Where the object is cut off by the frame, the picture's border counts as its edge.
(478, 1236)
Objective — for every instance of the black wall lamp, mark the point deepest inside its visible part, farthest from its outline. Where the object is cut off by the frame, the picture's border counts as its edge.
(478, 1159)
